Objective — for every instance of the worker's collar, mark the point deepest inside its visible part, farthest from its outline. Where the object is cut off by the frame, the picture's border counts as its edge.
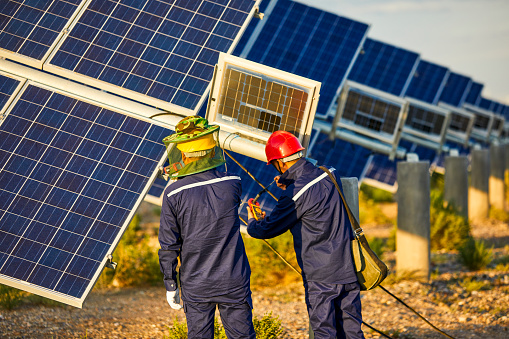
(292, 173)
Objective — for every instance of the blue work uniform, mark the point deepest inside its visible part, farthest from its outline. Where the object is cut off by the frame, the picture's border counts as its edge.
(311, 208)
(200, 222)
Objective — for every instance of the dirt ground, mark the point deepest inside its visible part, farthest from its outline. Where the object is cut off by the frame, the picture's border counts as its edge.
(444, 301)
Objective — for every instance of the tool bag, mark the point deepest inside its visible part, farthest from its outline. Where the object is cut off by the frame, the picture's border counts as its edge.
(371, 271)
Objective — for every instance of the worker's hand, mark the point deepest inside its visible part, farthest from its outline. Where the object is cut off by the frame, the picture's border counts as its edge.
(276, 179)
(250, 214)
(173, 298)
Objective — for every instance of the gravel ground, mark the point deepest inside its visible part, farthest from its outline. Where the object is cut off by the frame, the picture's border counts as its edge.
(445, 301)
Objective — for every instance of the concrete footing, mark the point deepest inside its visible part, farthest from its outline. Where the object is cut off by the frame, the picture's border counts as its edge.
(496, 181)
(456, 183)
(478, 199)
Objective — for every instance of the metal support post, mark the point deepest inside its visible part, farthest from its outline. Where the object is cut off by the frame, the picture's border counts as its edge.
(478, 199)
(456, 183)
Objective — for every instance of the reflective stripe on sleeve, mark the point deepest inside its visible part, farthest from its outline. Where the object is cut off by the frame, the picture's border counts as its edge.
(208, 182)
(311, 183)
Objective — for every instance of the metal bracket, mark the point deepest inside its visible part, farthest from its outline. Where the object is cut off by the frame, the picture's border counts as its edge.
(110, 263)
(257, 14)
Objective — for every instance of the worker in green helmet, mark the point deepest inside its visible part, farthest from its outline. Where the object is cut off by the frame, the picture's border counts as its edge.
(200, 224)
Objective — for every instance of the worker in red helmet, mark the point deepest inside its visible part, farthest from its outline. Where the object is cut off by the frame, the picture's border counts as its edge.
(311, 208)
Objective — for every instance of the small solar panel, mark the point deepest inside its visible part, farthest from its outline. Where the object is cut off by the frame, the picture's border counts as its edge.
(256, 100)
(426, 124)
(482, 124)
(428, 82)
(307, 42)
(30, 29)
(384, 67)
(371, 112)
(456, 89)
(460, 126)
(72, 174)
(474, 93)
(159, 53)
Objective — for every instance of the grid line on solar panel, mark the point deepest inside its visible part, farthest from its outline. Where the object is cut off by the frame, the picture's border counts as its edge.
(167, 57)
(43, 189)
(30, 28)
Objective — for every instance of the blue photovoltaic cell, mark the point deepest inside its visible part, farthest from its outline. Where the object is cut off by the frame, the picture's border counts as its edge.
(474, 94)
(70, 174)
(7, 87)
(308, 42)
(427, 82)
(383, 67)
(384, 170)
(456, 89)
(157, 188)
(348, 159)
(29, 27)
(163, 50)
(486, 104)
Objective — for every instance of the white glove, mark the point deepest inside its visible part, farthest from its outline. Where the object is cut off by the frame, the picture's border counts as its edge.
(173, 298)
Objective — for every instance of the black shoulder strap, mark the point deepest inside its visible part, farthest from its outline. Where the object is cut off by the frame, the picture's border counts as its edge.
(353, 221)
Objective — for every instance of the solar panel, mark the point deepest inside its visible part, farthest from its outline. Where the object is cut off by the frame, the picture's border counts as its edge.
(498, 125)
(482, 124)
(384, 67)
(428, 82)
(370, 112)
(72, 174)
(426, 124)
(460, 126)
(305, 41)
(159, 53)
(256, 100)
(456, 89)
(474, 93)
(30, 29)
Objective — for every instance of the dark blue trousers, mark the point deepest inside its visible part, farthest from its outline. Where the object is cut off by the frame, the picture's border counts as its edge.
(237, 320)
(334, 310)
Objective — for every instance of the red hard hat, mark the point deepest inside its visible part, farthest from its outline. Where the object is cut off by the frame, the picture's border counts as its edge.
(280, 145)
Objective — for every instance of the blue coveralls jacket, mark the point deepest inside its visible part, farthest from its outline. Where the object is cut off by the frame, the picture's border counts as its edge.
(312, 209)
(200, 222)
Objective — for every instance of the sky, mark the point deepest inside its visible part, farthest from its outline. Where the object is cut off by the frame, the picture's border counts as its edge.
(470, 37)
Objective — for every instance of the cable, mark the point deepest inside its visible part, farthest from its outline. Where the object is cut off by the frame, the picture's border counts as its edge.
(411, 309)
(167, 113)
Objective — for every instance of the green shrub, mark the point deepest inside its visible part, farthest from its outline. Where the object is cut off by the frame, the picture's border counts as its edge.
(376, 194)
(391, 241)
(449, 230)
(474, 255)
(471, 284)
(137, 262)
(10, 297)
(268, 327)
(267, 269)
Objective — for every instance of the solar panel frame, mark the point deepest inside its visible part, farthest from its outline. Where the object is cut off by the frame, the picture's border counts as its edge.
(378, 96)
(184, 96)
(481, 129)
(423, 134)
(40, 29)
(460, 126)
(62, 297)
(7, 98)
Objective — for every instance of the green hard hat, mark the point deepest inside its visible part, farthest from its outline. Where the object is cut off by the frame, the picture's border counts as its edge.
(190, 128)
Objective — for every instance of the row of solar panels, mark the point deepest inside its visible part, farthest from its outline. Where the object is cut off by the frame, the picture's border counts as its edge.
(74, 169)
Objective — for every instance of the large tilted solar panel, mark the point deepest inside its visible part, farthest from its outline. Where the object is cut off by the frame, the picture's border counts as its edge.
(428, 82)
(71, 176)
(160, 53)
(305, 41)
(456, 89)
(29, 29)
(474, 94)
(384, 67)
(371, 112)
(426, 124)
